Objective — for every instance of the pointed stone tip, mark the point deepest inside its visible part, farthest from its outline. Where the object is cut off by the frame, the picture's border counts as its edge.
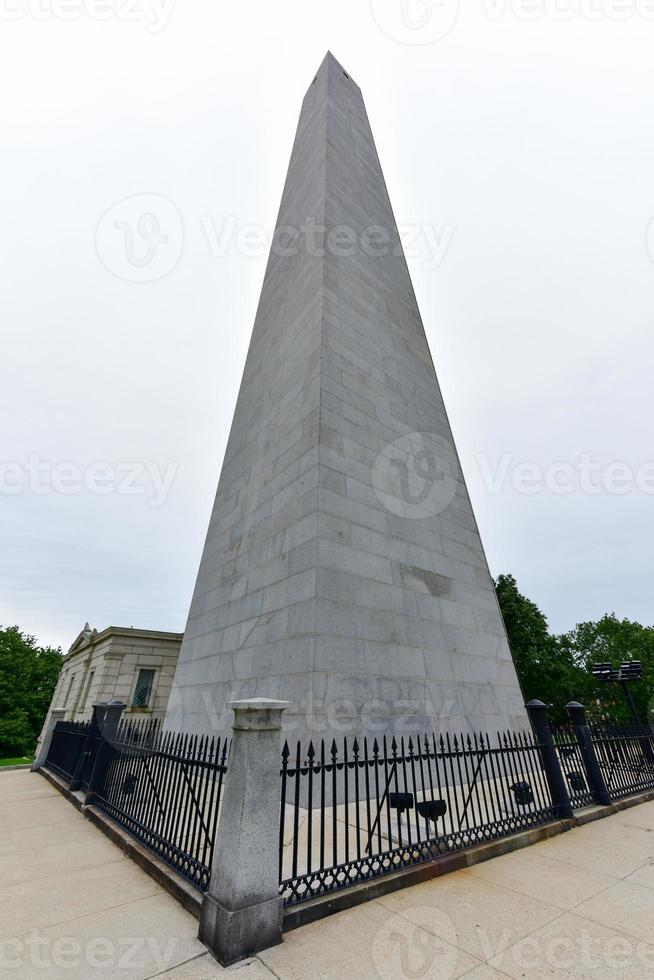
(331, 61)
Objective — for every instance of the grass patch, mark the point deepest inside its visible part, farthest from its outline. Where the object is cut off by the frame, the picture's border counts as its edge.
(19, 761)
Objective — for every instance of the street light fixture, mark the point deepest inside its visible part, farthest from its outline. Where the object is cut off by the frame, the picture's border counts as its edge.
(629, 670)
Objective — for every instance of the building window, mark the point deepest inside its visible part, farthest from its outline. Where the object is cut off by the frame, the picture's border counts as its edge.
(143, 689)
(70, 687)
(88, 690)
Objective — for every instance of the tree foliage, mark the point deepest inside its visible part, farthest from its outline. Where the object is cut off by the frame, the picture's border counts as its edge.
(28, 675)
(612, 640)
(557, 669)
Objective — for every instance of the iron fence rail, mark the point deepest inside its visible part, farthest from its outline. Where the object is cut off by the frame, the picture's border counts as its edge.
(626, 758)
(355, 812)
(66, 747)
(165, 790)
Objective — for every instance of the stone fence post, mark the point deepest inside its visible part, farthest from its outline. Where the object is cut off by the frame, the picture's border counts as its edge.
(242, 910)
(43, 747)
(577, 714)
(540, 722)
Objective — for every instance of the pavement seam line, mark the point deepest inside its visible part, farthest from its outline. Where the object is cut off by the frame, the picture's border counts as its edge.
(85, 915)
(57, 874)
(529, 935)
(266, 967)
(496, 969)
(614, 881)
(621, 932)
(588, 918)
(176, 966)
(435, 935)
(568, 863)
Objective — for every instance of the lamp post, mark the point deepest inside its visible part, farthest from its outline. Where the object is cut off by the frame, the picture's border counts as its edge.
(629, 670)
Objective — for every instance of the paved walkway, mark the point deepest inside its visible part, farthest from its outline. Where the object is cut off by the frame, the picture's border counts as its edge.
(578, 905)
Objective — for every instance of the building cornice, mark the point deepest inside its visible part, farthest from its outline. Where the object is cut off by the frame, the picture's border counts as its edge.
(82, 644)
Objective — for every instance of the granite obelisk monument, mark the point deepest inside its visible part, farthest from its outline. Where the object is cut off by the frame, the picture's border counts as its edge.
(343, 569)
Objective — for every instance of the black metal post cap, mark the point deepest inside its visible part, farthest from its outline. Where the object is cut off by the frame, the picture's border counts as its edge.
(576, 712)
(537, 711)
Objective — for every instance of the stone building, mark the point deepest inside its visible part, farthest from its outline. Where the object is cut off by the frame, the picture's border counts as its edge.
(130, 665)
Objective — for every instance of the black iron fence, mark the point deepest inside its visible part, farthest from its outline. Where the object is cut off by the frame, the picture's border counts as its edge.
(353, 812)
(67, 746)
(626, 759)
(163, 788)
(358, 810)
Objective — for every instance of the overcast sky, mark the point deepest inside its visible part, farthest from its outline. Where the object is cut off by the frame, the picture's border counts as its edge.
(518, 147)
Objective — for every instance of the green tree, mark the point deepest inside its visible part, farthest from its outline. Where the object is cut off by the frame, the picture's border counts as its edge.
(28, 675)
(547, 670)
(612, 640)
(557, 669)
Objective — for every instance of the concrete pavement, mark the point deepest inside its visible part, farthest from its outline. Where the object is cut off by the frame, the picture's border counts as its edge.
(578, 905)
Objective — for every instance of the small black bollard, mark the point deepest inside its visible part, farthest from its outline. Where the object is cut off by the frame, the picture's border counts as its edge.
(577, 714)
(540, 723)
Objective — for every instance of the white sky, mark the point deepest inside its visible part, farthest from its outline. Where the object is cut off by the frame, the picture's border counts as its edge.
(525, 146)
